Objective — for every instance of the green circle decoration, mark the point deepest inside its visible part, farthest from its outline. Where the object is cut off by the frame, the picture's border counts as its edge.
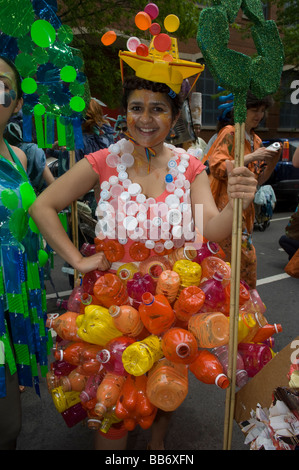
(42, 257)
(43, 33)
(33, 227)
(77, 104)
(29, 85)
(27, 195)
(39, 109)
(68, 74)
(9, 199)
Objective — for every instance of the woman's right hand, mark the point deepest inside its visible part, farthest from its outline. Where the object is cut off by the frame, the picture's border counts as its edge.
(90, 263)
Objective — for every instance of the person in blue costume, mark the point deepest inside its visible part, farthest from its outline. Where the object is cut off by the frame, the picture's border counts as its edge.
(24, 339)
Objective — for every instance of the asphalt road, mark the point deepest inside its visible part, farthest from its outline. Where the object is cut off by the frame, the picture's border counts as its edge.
(198, 423)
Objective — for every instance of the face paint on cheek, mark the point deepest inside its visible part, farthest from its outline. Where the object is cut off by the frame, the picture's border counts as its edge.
(7, 98)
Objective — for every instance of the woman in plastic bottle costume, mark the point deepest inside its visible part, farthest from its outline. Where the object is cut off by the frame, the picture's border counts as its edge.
(149, 192)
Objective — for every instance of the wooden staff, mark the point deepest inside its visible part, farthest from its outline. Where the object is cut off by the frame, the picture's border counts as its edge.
(234, 296)
(74, 219)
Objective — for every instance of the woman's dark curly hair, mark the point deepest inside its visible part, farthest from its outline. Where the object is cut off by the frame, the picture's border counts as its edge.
(136, 83)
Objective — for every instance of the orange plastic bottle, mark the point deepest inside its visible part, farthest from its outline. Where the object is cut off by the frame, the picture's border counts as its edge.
(189, 302)
(65, 326)
(139, 252)
(179, 346)
(210, 329)
(168, 284)
(184, 252)
(244, 297)
(156, 313)
(167, 385)
(213, 264)
(75, 382)
(108, 392)
(109, 290)
(208, 369)
(266, 332)
(82, 355)
(126, 319)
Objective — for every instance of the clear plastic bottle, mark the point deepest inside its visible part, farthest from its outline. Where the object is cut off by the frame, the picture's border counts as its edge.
(189, 302)
(111, 355)
(73, 382)
(241, 374)
(90, 390)
(126, 319)
(179, 346)
(208, 369)
(210, 329)
(255, 357)
(139, 357)
(167, 385)
(213, 264)
(168, 284)
(156, 313)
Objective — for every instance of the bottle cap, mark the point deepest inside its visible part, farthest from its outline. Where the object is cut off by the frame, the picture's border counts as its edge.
(147, 298)
(127, 159)
(168, 178)
(100, 409)
(103, 356)
(114, 310)
(222, 381)
(134, 189)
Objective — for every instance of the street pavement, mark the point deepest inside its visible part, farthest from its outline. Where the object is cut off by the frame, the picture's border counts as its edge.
(199, 422)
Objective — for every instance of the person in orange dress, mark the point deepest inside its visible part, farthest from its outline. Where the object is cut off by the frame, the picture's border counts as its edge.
(257, 159)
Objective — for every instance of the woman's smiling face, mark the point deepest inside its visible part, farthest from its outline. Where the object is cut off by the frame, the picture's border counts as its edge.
(149, 117)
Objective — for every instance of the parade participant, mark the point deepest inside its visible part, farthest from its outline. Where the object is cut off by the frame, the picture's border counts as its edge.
(257, 159)
(23, 336)
(139, 169)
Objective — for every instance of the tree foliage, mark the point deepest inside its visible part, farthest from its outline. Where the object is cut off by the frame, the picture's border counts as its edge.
(288, 23)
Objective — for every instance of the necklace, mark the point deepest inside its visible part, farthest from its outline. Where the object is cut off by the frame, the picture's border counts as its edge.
(125, 213)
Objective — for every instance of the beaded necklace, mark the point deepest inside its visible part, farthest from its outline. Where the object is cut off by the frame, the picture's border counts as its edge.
(125, 213)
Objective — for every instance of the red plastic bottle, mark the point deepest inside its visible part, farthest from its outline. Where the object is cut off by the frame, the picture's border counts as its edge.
(89, 280)
(214, 293)
(156, 313)
(208, 369)
(65, 326)
(74, 300)
(61, 368)
(266, 331)
(189, 302)
(137, 286)
(109, 290)
(241, 374)
(179, 346)
(207, 249)
(255, 357)
(74, 415)
(111, 356)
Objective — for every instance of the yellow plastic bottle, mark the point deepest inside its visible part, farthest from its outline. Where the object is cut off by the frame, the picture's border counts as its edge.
(96, 325)
(189, 272)
(126, 271)
(139, 357)
(64, 400)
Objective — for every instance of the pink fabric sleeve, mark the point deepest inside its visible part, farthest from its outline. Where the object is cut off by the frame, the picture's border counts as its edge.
(99, 165)
(195, 168)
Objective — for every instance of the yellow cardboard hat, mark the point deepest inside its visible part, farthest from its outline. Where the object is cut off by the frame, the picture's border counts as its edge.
(156, 69)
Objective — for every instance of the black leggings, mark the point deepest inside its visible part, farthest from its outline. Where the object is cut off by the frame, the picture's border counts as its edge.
(289, 245)
(10, 413)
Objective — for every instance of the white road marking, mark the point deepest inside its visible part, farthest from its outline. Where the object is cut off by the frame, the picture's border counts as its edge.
(277, 277)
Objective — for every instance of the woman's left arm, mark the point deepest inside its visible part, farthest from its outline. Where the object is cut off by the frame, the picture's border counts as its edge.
(217, 225)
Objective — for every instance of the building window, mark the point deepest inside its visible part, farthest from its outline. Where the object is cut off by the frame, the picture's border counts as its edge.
(207, 87)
